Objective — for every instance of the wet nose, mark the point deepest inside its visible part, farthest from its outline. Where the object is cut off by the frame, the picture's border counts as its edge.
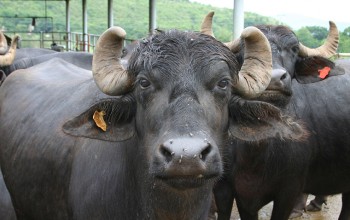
(185, 148)
(187, 156)
(278, 78)
(278, 74)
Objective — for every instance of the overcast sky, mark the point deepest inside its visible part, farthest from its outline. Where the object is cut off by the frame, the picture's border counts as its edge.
(336, 10)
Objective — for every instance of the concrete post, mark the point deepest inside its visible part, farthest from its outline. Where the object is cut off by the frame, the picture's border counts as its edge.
(68, 38)
(85, 28)
(110, 13)
(152, 16)
(238, 18)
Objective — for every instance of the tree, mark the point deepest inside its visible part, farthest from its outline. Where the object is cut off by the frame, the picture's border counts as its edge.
(317, 32)
(306, 38)
(344, 43)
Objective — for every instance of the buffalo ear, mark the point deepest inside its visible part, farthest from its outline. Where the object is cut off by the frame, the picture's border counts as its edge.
(315, 69)
(256, 121)
(119, 118)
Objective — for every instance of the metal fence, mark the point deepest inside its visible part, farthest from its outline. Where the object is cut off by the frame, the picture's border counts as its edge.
(342, 55)
(60, 41)
(73, 41)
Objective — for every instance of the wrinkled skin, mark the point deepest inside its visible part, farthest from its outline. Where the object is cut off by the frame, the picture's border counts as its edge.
(281, 171)
(164, 147)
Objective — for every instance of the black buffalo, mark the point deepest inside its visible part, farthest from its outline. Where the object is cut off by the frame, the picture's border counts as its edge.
(166, 121)
(9, 51)
(315, 91)
(26, 57)
(12, 58)
(80, 59)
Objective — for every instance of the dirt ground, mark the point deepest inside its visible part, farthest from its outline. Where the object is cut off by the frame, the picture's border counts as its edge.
(330, 211)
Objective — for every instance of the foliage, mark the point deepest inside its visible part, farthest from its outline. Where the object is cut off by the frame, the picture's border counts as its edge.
(318, 33)
(252, 19)
(344, 44)
(306, 37)
(314, 36)
(133, 15)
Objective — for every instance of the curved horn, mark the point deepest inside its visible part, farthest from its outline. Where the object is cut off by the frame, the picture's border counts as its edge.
(3, 44)
(255, 74)
(108, 72)
(329, 47)
(8, 58)
(206, 27)
(234, 45)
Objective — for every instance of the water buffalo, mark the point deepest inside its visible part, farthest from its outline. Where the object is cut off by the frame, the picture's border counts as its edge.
(9, 55)
(315, 91)
(80, 59)
(27, 57)
(13, 53)
(151, 145)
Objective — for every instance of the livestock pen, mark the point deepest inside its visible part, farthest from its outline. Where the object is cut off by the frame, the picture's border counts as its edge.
(61, 41)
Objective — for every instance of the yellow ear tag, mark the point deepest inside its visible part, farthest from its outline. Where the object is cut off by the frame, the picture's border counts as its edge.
(98, 118)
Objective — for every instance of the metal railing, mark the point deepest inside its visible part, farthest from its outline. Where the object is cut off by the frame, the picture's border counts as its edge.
(342, 55)
(60, 41)
(73, 41)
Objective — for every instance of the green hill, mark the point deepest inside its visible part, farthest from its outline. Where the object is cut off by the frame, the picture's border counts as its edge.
(132, 15)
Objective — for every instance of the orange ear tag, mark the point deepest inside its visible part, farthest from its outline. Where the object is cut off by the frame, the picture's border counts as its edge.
(324, 72)
(99, 121)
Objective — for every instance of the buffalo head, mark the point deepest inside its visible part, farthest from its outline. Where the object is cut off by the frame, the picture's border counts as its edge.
(290, 58)
(187, 91)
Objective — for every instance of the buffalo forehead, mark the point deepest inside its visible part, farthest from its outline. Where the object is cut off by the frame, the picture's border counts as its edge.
(178, 52)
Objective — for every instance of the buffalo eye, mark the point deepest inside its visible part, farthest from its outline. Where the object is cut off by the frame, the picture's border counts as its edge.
(295, 49)
(222, 84)
(124, 52)
(144, 83)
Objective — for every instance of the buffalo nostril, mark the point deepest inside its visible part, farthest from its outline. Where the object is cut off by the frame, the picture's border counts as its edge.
(167, 153)
(278, 75)
(203, 155)
(284, 76)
